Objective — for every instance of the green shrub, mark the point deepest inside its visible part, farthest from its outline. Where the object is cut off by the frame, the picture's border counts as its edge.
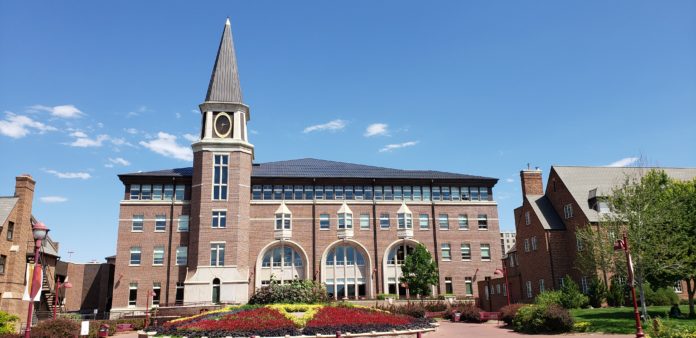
(508, 312)
(383, 296)
(657, 329)
(61, 327)
(549, 297)
(581, 326)
(413, 309)
(663, 296)
(436, 306)
(469, 312)
(7, 322)
(597, 292)
(307, 292)
(572, 297)
(617, 294)
(537, 318)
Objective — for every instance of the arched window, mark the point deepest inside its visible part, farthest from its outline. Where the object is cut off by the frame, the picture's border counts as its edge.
(344, 255)
(392, 269)
(398, 253)
(282, 263)
(346, 272)
(216, 290)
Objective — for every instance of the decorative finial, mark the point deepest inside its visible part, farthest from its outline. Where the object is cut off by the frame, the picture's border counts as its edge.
(228, 21)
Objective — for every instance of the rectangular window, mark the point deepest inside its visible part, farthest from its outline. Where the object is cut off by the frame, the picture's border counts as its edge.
(482, 222)
(267, 192)
(446, 196)
(160, 223)
(3, 261)
(497, 289)
(485, 252)
(443, 221)
(388, 195)
(179, 193)
(256, 192)
(220, 167)
(181, 255)
(397, 193)
(424, 219)
(384, 221)
(328, 192)
(359, 195)
(416, 193)
(319, 192)
(466, 251)
(156, 287)
(568, 211)
(448, 285)
(526, 245)
(308, 192)
(277, 192)
(368, 193)
(219, 219)
(678, 287)
(168, 192)
(338, 191)
(158, 255)
(364, 221)
(183, 223)
(534, 243)
(504, 290)
(436, 193)
(135, 191)
(469, 284)
(541, 286)
(349, 192)
(455, 194)
(137, 223)
(146, 192)
(474, 192)
(132, 294)
(407, 193)
(157, 192)
(135, 255)
(463, 222)
(378, 193)
(287, 192)
(483, 192)
(529, 289)
(345, 221)
(217, 254)
(404, 221)
(446, 252)
(584, 285)
(465, 193)
(10, 231)
(179, 298)
(527, 218)
(324, 222)
(578, 244)
(426, 193)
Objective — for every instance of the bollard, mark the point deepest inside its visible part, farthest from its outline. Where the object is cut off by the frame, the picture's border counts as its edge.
(338, 334)
(419, 334)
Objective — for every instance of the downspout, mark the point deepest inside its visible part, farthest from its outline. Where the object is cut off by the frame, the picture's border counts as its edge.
(169, 248)
(314, 231)
(376, 269)
(547, 236)
(437, 255)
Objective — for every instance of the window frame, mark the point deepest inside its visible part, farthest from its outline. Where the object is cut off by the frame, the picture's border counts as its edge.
(462, 251)
(155, 250)
(219, 215)
(220, 189)
(135, 250)
(178, 225)
(440, 222)
(446, 247)
(488, 246)
(324, 222)
(184, 249)
(463, 222)
(217, 253)
(160, 223)
(482, 222)
(138, 219)
(384, 219)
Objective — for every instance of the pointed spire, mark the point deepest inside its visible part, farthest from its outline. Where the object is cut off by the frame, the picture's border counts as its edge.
(224, 81)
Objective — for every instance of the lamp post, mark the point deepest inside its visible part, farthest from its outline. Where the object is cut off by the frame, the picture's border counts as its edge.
(150, 293)
(507, 286)
(59, 286)
(622, 244)
(39, 231)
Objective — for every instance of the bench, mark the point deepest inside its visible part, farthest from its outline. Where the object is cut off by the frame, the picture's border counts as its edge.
(124, 327)
(486, 316)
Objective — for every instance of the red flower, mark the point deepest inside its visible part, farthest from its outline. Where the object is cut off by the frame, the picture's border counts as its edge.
(335, 316)
(261, 318)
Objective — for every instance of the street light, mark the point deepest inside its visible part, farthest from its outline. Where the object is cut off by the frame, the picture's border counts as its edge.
(59, 286)
(504, 273)
(622, 244)
(39, 230)
(150, 293)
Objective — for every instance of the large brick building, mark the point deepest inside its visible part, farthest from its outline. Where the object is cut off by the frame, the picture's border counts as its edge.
(547, 246)
(218, 230)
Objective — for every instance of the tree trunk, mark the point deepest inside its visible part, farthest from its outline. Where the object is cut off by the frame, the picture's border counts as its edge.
(691, 290)
(643, 306)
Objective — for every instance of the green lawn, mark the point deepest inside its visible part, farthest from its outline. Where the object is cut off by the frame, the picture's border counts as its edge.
(621, 320)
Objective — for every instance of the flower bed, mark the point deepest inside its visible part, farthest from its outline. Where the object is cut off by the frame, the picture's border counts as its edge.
(288, 319)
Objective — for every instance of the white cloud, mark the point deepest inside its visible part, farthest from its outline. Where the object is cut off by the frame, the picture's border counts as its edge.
(83, 140)
(390, 147)
(67, 111)
(69, 175)
(510, 180)
(18, 126)
(137, 112)
(119, 160)
(376, 129)
(131, 131)
(178, 115)
(624, 162)
(53, 199)
(330, 126)
(191, 137)
(165, 144)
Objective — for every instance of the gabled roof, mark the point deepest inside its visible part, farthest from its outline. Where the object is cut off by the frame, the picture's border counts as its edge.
(582, 182)
(545, 212)
(314, 168)
(224, 80)
(7, 204)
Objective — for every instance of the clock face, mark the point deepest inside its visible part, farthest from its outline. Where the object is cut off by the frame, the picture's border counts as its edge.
(223, 125)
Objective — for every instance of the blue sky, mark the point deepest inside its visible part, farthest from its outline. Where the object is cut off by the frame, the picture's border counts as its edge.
(92, 89)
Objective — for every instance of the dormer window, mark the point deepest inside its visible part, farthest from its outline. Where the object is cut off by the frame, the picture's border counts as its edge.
(283, 218)
(603, 207)
(404, 217)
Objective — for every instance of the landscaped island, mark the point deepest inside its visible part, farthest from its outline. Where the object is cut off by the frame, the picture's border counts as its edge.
(289, 319)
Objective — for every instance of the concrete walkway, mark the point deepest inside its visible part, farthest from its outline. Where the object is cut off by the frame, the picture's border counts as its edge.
(490, 329)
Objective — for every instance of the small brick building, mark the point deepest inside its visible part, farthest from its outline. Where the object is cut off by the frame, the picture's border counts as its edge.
(547, 246)
(216, 231)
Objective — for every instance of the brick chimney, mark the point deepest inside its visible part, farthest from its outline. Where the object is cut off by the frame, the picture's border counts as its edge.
(24, 189)
(531, 182)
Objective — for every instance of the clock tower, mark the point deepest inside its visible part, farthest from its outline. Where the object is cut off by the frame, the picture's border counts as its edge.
(222, 160)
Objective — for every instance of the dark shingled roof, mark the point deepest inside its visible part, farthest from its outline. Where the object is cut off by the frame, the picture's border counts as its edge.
(314, 168)
(545, 212)
(224, 80)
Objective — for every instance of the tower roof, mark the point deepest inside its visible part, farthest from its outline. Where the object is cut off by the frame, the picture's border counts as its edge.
(224, 81)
